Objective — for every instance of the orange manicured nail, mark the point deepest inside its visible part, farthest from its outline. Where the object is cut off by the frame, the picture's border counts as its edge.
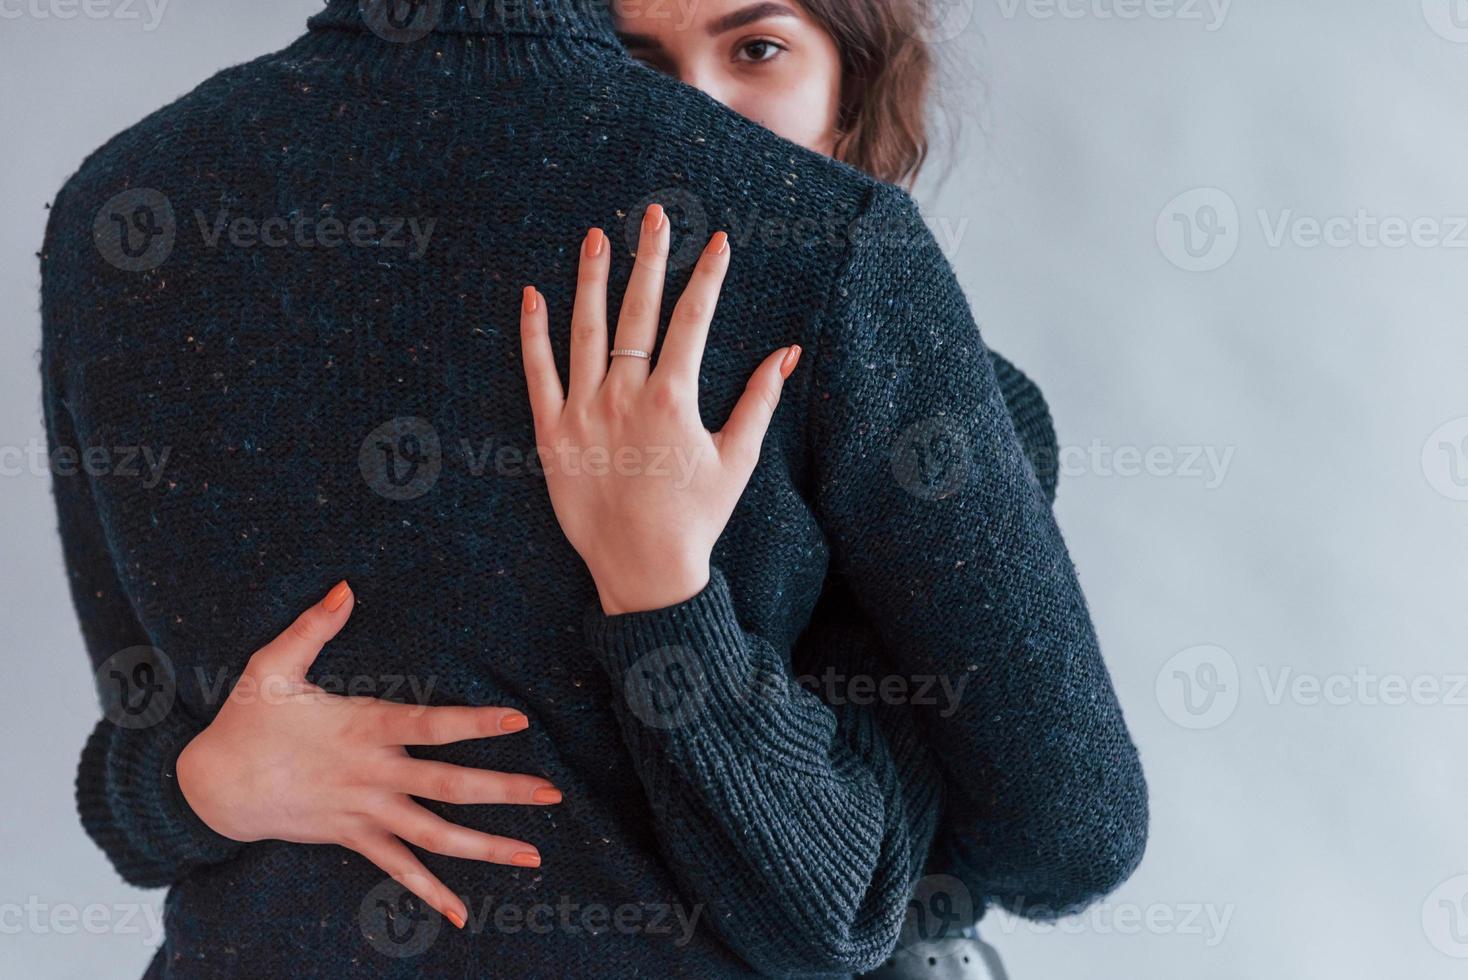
(532, 299)
(654, 219)
(546, 794)
(455, 918)
(719, 244)
(526, 859)
(336, 596)
(514, 723)
(596, 241)
(792, 358)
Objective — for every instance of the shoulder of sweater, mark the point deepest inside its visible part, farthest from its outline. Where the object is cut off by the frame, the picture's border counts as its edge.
(896, 287)
(136, 161)
(745, 177)
(148, 139)
(139, 157)
(738, 168)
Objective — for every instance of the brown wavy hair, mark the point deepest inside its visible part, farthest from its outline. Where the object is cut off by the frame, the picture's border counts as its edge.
(887, 74)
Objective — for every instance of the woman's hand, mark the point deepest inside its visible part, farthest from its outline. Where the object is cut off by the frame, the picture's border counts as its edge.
(641, 488)
(285, 760)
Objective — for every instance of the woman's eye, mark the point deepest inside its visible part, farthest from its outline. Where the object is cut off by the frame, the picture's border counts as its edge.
(759, 51)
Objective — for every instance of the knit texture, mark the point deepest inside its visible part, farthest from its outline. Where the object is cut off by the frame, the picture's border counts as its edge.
(941, 534)
(1032, 422)
(338, 395)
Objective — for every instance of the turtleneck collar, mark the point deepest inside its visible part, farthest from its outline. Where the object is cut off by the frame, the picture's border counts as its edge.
(461, 42)
(412, 21)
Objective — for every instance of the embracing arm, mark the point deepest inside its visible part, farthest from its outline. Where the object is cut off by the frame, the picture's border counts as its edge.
(747, 768)
(755, 781)
(795, 833)
(947, 542)
(803, 837)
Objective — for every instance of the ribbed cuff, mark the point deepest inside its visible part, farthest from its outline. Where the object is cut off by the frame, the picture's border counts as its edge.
(131, 805)
(706, 623)
(690, 673)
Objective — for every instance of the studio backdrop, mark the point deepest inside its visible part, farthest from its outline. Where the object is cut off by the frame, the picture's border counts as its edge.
(1229, 239)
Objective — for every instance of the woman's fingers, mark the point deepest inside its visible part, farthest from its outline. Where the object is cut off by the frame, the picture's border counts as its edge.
(589, 318)
(740, 440)
(689, 329)
(400, 864)
(411, 724)
(642, 305)
(541, 376)
(292, 653)
(449, 783)
(433, 833)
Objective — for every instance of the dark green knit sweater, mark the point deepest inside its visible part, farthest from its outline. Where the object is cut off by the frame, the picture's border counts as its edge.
(297, 287)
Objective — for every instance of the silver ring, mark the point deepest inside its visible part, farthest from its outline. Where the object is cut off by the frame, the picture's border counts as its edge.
(630, 352)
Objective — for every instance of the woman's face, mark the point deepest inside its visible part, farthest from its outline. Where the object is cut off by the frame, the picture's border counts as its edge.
(769, 61)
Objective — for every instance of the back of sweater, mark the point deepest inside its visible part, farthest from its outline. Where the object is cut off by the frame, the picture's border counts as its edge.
(297, 289)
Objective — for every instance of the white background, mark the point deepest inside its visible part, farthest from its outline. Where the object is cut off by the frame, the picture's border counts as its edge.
(1291, 836)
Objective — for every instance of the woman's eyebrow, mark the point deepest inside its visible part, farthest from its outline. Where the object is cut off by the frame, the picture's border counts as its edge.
(753, 13)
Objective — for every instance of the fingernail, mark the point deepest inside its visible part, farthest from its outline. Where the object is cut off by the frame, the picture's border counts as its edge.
(526, 859)
(514, 723)
(792, 358)
(596, 240)
(455, 918)
(719, 244)
(532, 299)
(654, 219)
(336, 596)
(546, 794)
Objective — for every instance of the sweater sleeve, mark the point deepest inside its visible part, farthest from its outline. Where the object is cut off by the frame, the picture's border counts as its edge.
(943, 533)
(801, 836)
(126, 791)
(1032, 423)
